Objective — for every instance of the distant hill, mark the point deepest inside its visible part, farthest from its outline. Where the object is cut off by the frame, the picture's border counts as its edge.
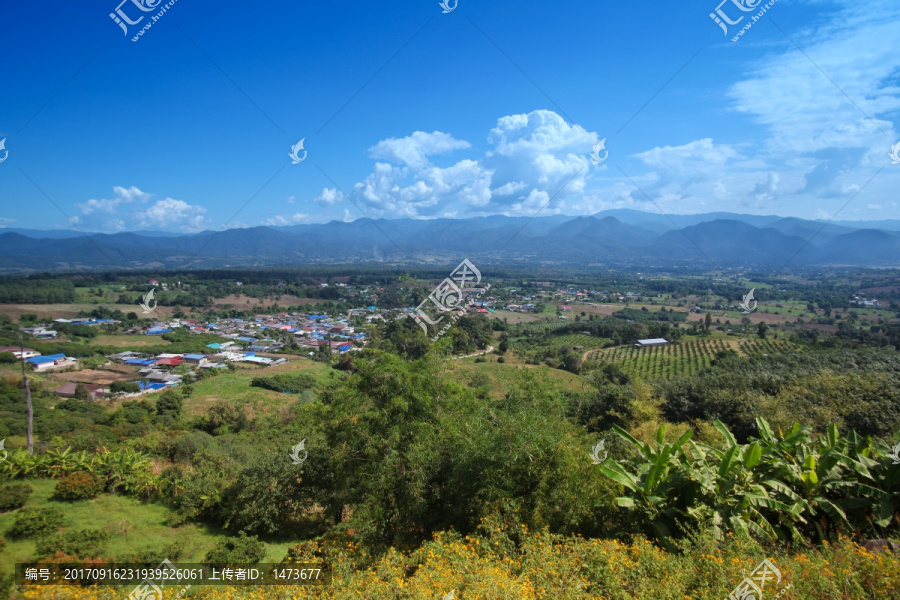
(615, 238)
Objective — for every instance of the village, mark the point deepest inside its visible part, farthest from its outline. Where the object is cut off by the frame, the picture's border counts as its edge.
(260, 341)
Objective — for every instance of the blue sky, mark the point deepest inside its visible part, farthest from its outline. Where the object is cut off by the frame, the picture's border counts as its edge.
(492, 108)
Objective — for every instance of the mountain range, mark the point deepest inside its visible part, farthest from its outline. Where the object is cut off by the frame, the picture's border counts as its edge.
(614, 238)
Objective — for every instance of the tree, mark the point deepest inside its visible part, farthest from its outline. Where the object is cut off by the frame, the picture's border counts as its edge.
(707, 322)
(762, 329)
(128, 387)
(170, 403)
(82, 393)
(29, 410)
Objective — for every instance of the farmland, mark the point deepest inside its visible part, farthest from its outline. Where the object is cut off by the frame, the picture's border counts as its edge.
(686, 358)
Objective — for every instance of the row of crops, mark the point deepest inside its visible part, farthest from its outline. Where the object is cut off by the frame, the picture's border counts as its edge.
(755, 347)
(543, 326)
(578, 339)
(685, 358)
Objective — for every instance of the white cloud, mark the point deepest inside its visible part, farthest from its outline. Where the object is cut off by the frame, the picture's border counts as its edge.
(291, 200)
(5, 222)
(806, 110)
(510, 188)
(281, 221)
(130, 209)
(168, 213)
(415, 149)
(539, 151)
(328, 197)
(110, 205)
(131, 194)
(533, 156)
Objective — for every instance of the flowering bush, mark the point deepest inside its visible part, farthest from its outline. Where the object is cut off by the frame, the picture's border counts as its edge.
(503, 560)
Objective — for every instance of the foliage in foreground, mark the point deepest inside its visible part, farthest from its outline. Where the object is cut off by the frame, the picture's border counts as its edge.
(123, 470)
(787, 487)
(504, 560)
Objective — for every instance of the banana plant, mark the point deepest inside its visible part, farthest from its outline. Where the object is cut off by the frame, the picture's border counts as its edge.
(777, 486)
(651, 478)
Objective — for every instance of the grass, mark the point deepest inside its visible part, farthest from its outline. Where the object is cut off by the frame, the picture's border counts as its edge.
(503, 376)
(136, 527)
(236, 387)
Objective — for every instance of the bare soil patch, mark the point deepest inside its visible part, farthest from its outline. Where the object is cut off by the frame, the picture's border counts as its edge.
(241, 301)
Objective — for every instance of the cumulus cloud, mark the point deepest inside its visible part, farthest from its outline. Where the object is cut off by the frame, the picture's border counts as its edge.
(165, 213)
(415, 149)
(534, 156)
(328, 197)
(131, 208)
(109, 205)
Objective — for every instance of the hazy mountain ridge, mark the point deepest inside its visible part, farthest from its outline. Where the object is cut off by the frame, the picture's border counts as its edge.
(613, 237)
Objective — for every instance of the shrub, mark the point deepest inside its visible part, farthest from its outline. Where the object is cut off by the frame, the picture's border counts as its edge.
(225, 417)
(185, 446)
(285, 383)
(87, 543)
(14, 496)
(170, 403)
(129, 387)
(242, 549)
(272, 495)
(31, 522)
(78, 486)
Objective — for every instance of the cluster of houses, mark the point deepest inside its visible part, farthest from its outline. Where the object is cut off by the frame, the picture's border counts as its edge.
(866, 302)
(241, 340)
(267, 333)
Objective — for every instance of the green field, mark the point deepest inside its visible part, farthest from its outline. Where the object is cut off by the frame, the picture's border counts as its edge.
(578, 339)
(684, 358)
(235, 387)
(137, 528)
(544, 326)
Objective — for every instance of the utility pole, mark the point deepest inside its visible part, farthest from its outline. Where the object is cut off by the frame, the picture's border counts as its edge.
(29, 411)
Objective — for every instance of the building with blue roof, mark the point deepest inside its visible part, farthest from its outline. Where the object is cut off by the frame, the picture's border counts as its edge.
(41, 360)
(150, 387)
(143, 362)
